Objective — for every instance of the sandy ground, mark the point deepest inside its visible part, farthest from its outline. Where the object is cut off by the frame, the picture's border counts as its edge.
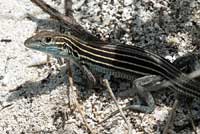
(40, 105)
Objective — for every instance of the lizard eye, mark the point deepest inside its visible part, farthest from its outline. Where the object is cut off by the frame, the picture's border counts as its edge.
(47, 39)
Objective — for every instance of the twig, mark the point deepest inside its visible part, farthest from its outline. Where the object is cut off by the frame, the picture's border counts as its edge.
(68, 8)
(105, 81)
(69, 21)
(55, 13)
(6, 106)
(114, 113)
(171, 117)
(71, 85)
(187, 125)
(191, 118)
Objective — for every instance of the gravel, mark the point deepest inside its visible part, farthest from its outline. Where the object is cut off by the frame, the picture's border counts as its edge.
(40, 105)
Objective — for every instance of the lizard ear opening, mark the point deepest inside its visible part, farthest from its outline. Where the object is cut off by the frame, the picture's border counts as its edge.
(76, 54)
(64, 46)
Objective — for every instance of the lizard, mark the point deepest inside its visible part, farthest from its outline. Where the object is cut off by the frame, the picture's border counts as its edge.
(125, 61)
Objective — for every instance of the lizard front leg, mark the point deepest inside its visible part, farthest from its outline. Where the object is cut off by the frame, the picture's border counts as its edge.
(90, 78)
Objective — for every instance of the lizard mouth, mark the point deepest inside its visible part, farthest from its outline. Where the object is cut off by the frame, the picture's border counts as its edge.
(40, 46)
(30, 43)
(36, 44)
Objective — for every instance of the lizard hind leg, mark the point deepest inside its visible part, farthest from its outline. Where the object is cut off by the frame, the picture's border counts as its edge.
(143, 86)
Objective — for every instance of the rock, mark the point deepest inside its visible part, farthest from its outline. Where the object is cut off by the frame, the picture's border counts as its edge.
(128, 2)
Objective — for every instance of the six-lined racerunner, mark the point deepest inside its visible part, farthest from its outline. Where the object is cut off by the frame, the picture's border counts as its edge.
(123, 61)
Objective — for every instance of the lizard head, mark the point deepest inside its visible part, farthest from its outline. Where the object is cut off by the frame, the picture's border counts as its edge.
(53, 43)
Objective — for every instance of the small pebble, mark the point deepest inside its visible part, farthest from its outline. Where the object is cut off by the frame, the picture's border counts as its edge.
(128, 2)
